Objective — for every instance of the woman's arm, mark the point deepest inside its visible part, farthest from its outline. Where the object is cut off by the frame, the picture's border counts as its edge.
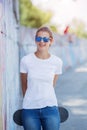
(23, 82)
(55, 80)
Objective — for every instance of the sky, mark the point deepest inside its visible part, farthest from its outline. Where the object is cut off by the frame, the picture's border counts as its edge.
(64, 10)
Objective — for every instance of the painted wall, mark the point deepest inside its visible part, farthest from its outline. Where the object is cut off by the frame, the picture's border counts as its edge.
(9, 68)
(1, 63)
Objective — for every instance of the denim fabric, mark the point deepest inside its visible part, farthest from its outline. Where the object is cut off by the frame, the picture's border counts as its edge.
(48, 118)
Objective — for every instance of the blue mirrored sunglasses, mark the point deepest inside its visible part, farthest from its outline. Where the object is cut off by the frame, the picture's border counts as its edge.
(39, 39)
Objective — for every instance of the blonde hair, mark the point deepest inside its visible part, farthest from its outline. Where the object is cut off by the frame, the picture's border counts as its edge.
(45, 29)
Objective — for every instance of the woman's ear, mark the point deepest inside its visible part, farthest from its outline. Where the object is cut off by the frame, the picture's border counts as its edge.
(51, 41)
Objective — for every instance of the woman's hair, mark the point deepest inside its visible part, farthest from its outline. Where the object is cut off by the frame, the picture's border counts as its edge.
(45, 29)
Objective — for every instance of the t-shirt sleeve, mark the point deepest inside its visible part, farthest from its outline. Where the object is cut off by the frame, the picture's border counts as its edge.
(59, 67)
(23, 66)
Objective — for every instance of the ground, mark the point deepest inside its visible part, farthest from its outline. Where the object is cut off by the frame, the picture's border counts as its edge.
(71, 91)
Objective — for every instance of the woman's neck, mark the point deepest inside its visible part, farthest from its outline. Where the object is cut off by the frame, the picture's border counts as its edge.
(42, 55)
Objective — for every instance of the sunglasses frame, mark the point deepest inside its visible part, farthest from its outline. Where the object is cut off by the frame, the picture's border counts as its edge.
(39, 39)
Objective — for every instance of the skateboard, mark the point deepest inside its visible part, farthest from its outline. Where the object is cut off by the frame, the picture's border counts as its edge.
(64, 114)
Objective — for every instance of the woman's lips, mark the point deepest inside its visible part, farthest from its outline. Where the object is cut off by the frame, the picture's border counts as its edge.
(42, 45)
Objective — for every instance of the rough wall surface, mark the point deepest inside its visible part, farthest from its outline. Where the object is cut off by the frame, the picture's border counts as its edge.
(9, 67)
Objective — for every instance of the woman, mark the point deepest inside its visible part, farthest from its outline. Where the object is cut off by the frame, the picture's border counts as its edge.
(39, 73)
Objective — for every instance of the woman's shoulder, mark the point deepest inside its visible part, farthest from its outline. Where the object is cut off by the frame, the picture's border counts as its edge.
(57, 58)
(27, 57)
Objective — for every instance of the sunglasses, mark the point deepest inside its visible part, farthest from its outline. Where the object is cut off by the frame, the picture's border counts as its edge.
(39, 39)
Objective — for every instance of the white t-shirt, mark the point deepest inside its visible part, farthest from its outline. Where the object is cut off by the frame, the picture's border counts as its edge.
(40, 91)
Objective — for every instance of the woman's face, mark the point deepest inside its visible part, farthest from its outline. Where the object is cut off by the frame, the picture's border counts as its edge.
(43, 41)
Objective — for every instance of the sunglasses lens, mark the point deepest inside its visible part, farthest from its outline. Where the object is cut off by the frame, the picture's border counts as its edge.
(38, 39)
(45, 39)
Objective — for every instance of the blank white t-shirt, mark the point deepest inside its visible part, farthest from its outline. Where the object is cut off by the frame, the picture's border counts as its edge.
(40, 91)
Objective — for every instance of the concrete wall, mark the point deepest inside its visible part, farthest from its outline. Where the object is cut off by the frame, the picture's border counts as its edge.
(1, 63)
(9, 67)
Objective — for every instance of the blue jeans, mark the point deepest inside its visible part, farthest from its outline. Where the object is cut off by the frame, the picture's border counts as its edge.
(48, 118)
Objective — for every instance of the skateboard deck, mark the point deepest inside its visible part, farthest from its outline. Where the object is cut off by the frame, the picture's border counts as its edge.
(63, 115)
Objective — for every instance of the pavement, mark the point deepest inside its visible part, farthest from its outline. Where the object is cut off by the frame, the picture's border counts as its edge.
(71, 91)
